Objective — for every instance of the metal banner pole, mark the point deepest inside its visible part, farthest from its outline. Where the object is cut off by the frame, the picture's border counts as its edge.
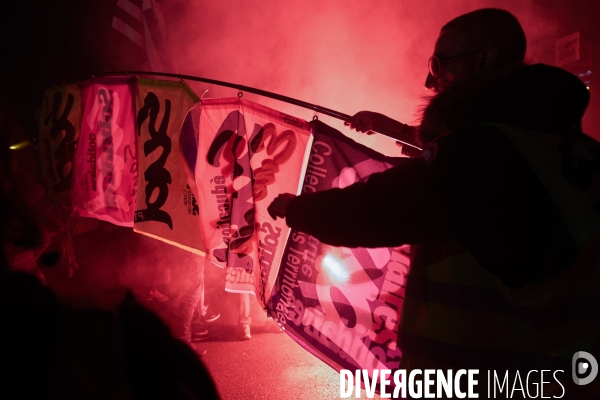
(402, 138)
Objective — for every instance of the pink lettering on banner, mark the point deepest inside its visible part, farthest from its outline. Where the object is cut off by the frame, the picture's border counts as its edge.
(341, 304)
(105, 183)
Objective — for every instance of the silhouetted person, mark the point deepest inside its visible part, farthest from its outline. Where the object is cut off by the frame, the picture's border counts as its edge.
(502, 207)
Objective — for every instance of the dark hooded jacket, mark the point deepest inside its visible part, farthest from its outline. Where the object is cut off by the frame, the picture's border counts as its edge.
(472, 184)
(503, 214)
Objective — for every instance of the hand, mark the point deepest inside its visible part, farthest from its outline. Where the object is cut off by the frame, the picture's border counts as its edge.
(278, 207)
(365, 121)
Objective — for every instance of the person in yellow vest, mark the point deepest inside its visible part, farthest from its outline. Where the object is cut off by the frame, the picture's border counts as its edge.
(502, 209)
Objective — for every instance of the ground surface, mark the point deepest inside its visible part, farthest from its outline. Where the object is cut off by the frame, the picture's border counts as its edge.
(268, 366)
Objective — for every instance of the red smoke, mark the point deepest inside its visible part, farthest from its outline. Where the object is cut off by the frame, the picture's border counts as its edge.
(346, 55)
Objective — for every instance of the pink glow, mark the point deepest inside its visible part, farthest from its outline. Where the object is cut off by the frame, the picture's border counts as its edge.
(349, 56)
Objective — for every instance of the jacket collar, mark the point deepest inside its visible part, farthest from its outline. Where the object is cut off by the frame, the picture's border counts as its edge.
(536, 97)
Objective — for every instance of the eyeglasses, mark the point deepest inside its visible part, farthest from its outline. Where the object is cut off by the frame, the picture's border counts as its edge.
(435, 63)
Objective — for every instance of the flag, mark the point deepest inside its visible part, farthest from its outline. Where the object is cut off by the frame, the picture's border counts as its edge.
(166, 205)
(247, 155)
(59, 126)
(105, 168)
(140, 35)
(341, 304)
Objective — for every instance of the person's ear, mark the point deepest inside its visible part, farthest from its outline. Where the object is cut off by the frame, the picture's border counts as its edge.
(487, 58)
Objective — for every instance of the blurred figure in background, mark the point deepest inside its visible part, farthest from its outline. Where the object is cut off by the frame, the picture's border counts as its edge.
(25, 197)
(163, 275)
(244, 317)
(188, 281)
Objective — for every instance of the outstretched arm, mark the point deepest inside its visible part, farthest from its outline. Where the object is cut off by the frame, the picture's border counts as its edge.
(406, 204)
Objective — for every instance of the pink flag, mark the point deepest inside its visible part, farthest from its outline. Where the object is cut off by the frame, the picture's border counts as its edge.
(247, 155)
(105, 172)
(342, 304)
(59, 125)
(166, 206)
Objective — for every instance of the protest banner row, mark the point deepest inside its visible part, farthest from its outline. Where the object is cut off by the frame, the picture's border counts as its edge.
(125, 150)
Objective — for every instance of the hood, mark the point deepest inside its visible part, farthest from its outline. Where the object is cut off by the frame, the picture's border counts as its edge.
(534, 97)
